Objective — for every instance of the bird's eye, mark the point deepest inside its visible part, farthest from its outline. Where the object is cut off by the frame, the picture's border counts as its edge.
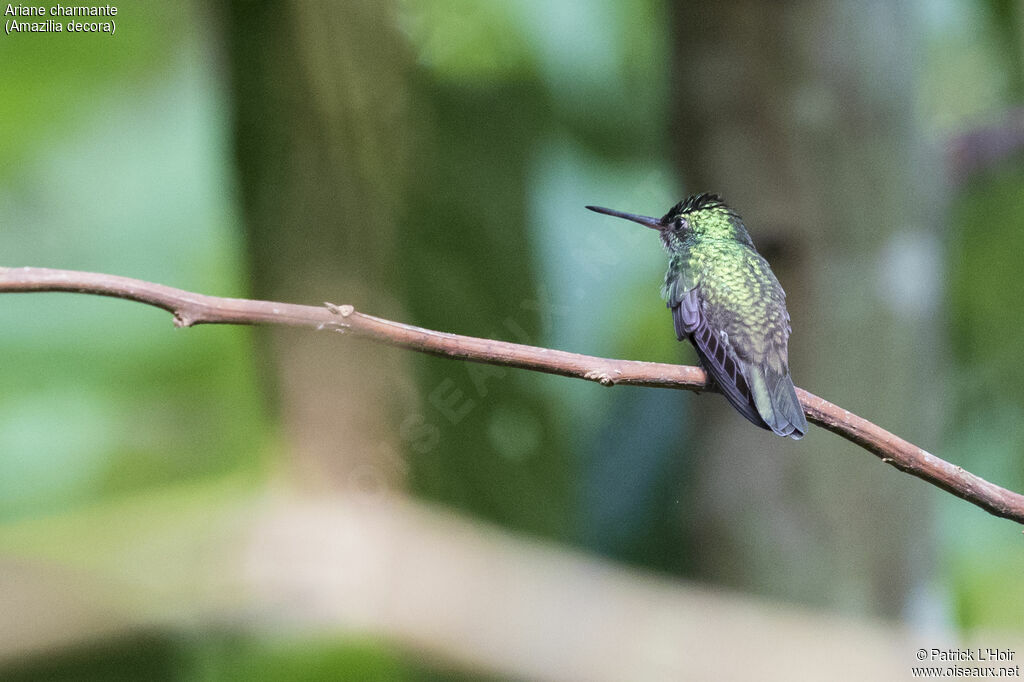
(679, 223)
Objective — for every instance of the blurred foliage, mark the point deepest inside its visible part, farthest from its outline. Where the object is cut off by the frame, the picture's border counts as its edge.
(1005, 18)
(501, 450)
(467, 42)
(966, 75)
(50, 81)
(985, 308)
(132, 181)
(986, 314)
(986, 317)
(115, 156)
(171, 657)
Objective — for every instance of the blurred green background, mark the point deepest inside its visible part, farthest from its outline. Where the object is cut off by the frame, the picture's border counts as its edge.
(428, 161)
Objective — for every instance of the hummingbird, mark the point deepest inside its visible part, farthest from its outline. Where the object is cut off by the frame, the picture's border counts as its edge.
(726, 300)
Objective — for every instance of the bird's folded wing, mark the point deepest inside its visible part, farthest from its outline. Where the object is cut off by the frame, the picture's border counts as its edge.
(718, 358)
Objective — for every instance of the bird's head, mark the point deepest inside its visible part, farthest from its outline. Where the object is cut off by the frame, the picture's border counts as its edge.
(702, 216)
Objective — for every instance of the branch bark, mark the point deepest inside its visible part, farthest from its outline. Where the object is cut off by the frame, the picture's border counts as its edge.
(191, 309)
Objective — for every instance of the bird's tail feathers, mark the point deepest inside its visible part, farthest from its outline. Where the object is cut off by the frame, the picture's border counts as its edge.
(776, 401)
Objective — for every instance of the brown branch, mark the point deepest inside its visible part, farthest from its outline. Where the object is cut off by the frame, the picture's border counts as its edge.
(191, 309)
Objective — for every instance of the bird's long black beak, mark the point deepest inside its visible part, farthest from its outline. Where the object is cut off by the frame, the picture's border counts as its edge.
(647, 221)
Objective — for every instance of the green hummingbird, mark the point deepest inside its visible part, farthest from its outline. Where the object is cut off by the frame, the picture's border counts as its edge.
(726, 300)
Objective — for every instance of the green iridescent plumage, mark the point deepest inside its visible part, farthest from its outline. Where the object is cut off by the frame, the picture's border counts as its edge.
(725, 299)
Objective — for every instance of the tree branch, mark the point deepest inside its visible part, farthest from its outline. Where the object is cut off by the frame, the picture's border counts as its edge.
(191, 309)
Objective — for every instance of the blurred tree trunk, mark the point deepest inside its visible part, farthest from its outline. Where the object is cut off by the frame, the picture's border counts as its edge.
(800, 115)
(320, 111)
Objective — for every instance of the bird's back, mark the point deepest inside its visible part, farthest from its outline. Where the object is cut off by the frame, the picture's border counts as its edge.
(741, 297)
